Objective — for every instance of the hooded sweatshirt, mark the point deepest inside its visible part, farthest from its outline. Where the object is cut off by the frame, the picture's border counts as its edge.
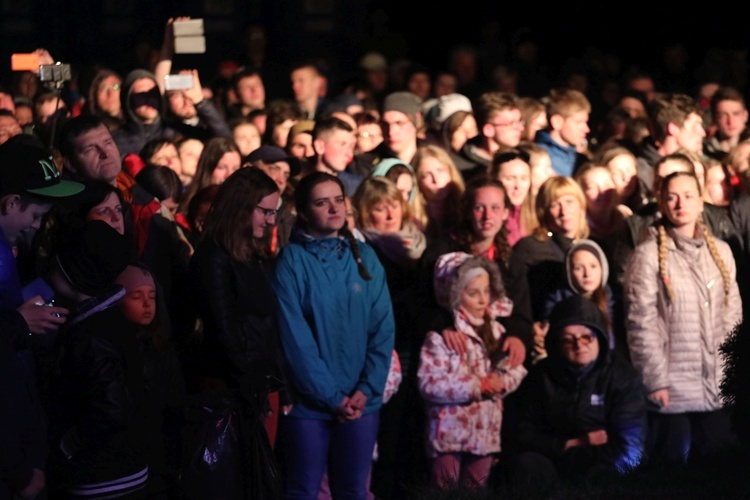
(134, 134)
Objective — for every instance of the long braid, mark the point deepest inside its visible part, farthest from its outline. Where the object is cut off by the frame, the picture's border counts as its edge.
(344, 231)
(490, 342)
(717, 258)
(502, 245)
(663, 262)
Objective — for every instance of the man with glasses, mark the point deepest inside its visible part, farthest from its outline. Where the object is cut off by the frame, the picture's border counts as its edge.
(500, 126)
(567, 127)
(583, 408)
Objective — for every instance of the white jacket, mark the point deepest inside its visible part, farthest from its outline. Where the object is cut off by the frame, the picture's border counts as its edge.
(460, 418)
(675, 345)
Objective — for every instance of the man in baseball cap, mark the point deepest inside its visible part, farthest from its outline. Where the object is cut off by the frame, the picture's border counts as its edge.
(275, 162)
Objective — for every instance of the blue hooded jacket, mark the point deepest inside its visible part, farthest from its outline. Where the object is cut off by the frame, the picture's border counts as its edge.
(337, 329)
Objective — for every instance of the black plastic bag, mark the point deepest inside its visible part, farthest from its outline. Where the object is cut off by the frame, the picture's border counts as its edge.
(211, 462)
(225, 450)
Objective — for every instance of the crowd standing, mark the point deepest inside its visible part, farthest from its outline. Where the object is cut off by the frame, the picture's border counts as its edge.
(418, 278)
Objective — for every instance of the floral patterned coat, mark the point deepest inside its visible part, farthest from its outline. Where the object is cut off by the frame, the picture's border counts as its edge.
(460, 418)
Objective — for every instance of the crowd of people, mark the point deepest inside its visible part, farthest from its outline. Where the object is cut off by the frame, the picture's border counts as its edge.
(415, 283)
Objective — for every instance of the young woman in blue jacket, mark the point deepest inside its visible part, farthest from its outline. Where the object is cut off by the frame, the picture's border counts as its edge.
(337, 331)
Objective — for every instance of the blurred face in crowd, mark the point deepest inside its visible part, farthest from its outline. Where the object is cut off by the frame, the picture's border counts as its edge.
(181, 105)
(434, 178)
(251, 92)
(690, 136)
(228, 164)
(306, 83)
(247, 138)
(190, 151)
(399, 131)
(718, 190)
(108, 95)
(167, 156)
(574, 129)
(516, 177)
(505, 127)
(278, 171)
(9, 127)
(599, 189)
(624, 174)
(489, 212)
(301, 146)
(369, 136)
(564, 215)
(731, 118)
(386, 215)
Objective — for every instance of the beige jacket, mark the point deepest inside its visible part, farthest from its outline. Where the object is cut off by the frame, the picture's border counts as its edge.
(675, 345)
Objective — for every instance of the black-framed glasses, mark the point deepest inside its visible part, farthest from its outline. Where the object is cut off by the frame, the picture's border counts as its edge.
(584, 340)
(267, 212)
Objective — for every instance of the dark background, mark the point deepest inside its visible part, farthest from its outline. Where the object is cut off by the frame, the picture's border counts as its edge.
(119, 33)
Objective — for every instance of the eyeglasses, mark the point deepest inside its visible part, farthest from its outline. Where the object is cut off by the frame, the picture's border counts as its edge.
(267, 212)
(514, 124)
(369, 135)
(584, 340)
(110, 88)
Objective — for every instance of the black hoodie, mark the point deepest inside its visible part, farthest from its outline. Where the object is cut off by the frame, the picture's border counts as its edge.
(134, 134)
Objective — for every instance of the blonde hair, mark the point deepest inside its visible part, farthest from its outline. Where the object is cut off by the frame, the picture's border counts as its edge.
(707, 235)
(419, 207)
(552, 189)
(374, 190)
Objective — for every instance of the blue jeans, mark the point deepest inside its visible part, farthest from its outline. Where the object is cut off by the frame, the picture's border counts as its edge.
(308, 445)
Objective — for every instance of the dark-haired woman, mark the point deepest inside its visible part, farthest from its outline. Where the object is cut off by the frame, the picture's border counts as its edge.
(231, 271)
(337, 331)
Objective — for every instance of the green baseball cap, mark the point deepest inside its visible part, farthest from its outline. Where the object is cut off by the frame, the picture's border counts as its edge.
(27, 168)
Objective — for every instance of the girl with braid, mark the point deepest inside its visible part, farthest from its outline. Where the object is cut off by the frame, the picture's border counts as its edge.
(337, 332)
(682, 301)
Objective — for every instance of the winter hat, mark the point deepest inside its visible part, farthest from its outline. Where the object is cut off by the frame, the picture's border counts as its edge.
(373, 61)
(592, 247)
(134, 277)
(449, 104)
(454, 270)
(405, 102)
(92, 257)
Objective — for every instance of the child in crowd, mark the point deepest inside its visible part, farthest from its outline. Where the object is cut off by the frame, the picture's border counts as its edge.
(162, 369)
(587, 270)
(464, 392)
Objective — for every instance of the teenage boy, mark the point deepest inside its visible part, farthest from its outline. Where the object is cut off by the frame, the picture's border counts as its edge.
(565, 137)
(30, 184)
(333, 142)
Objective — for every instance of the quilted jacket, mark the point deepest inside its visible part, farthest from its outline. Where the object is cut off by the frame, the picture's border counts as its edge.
(675, 344)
